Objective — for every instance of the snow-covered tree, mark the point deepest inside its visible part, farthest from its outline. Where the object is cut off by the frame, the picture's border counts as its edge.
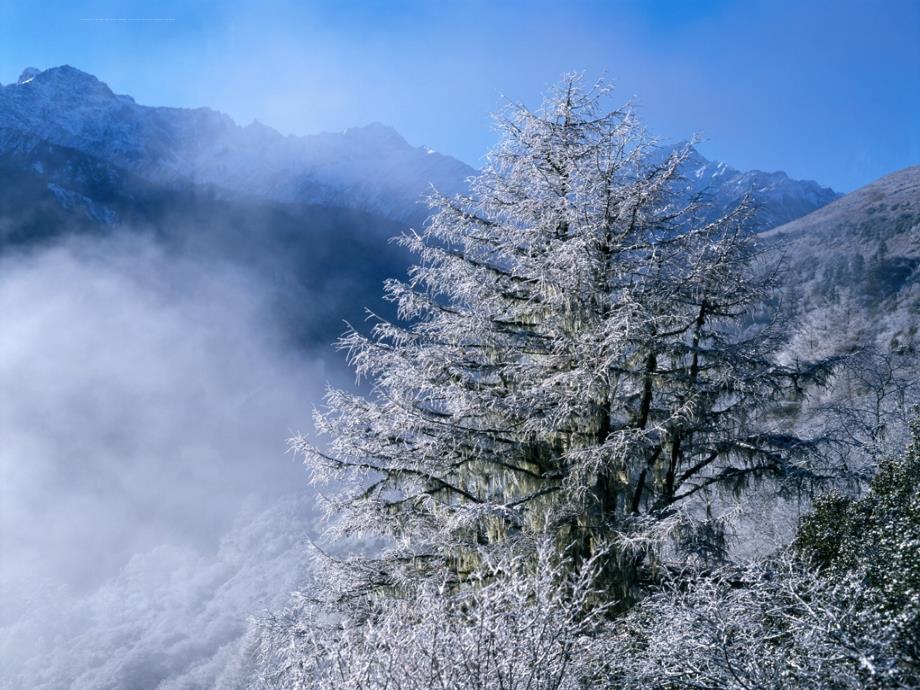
(840, 609)
(534, 620)
(577, 356)
(871, 401)
(770, 625)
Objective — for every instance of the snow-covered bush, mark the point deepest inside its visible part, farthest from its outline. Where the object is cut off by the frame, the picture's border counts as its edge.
(523, 624)
(840, 609)
(771, 625)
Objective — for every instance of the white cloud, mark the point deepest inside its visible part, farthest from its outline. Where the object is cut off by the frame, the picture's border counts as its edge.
(147, 506)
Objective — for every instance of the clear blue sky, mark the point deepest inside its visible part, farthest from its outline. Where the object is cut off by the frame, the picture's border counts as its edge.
(827, 90)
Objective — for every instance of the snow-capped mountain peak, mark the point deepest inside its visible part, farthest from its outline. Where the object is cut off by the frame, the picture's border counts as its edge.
(776, 197)
(377, 134)
(28, 74)
(65, 79)
(371, 167)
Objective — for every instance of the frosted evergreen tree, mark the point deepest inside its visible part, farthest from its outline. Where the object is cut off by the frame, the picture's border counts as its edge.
(576, 356)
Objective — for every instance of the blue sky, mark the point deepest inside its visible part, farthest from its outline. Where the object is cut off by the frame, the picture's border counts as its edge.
(826, 90)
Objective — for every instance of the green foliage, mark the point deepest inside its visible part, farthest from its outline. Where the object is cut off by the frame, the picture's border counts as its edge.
(878, 533)
(824, 534)
(876, 540)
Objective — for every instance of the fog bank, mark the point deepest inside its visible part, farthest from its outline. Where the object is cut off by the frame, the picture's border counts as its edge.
(147, 504)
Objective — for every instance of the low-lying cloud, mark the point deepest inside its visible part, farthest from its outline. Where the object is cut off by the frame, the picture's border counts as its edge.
(147, 505)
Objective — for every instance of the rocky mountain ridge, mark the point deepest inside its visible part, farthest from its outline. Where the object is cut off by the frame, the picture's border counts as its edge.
(370, 168)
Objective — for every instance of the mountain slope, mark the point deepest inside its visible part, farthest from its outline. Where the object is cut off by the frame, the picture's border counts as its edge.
(854, 265)
(323, 264)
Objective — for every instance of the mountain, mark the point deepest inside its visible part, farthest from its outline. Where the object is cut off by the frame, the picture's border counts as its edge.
(776, 197)
(853, 267)
(323, 263)
(371, 168)
(308, 217)
(310, 213)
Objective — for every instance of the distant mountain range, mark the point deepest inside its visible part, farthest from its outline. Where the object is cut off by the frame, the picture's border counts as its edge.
(371, 168)
(311, 212)
(775, 197)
